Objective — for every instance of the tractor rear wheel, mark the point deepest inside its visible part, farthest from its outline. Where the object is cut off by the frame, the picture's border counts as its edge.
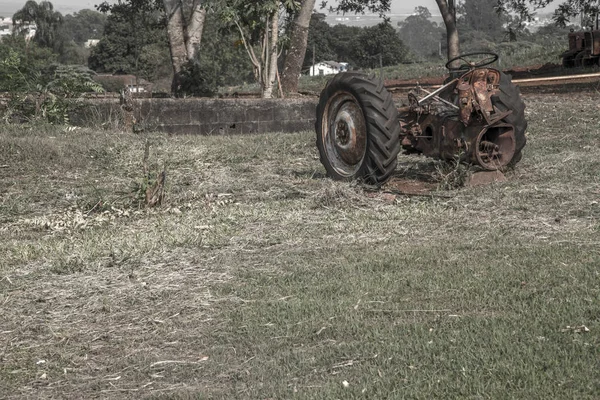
(509, 98)
(358, 131)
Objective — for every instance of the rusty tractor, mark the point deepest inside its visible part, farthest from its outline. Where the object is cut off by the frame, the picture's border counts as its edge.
(584, 49)
(477, 116)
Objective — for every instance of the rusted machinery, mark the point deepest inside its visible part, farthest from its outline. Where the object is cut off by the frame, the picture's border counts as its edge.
(584, 49)
(476, 117)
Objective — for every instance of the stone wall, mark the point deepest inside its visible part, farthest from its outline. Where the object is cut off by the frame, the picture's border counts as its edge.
(207, 116)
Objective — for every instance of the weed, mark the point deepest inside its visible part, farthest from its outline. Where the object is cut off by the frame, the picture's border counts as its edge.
(451, 174)
(338, 194)
(150, 190)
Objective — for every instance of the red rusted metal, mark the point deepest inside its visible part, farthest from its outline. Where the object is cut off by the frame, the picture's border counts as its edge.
(473, 131)
(584, 49)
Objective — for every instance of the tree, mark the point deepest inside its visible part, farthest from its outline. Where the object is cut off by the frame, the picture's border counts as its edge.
(481, 16)
(448, 11)
(297, 50)
(84, 25)
(320, 41)
(139, 47)
(46, 20)
(564, 12)
(345, 42)
(184, 22)
(524, 8)
(36, 85)
(380, 45)
(219, 48)
(420, 34)
(22, 64)
(257, 22)
(360, 6)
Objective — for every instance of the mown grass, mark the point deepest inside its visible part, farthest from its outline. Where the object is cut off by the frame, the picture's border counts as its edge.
(260, 278)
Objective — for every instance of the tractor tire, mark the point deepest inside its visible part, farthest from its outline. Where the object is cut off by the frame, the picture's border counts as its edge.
(509, 98)
(358, 131)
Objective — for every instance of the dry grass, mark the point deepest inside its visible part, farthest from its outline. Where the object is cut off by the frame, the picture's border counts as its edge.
(260, 278)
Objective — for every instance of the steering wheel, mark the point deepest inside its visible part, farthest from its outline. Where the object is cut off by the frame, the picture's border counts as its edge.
(489, 58)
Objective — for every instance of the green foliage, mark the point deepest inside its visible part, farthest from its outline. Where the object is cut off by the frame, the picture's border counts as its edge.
(380, 43)
(481, 16)
(195, 81)
(360, 47)
(252, 14)
(63, 92)
(359, 6)
(319, 41)
(420, 34)
(38, 88)
(565, 10)
(133, 42)
(344, 42)
(84, 25)
(46, 20)
(253, 21)
(71, 81)
(218, 48)
(248, 18)
(63, 35)
(21, 63)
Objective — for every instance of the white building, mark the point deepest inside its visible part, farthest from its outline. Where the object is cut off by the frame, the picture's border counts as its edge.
(29, 31)
(327, 68)
(91, 43)
(5, 27)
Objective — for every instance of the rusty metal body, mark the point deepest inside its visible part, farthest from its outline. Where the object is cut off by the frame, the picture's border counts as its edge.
(460, 120)
(477, 117)
(584, 49)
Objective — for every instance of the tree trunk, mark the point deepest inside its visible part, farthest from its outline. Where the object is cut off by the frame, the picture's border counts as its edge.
(448, 11)
(298, 42)
(270, 68)
(176, 34)
(194, 30)
(184, 37)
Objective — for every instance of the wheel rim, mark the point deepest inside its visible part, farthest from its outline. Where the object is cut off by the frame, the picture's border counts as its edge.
(345, 134)
(495, 147)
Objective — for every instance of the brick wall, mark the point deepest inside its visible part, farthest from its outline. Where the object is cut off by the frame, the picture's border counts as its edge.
(208, 116)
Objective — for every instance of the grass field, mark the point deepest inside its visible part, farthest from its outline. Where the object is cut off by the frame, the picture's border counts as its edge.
(259, 278)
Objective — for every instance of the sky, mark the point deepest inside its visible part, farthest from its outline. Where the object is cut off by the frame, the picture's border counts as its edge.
(74, 5)
(70, 6)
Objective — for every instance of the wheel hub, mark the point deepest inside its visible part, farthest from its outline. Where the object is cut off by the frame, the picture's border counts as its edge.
(350, 133)
(342, 134)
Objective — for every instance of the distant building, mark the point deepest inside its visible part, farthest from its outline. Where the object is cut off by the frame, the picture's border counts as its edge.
(6, 27)
(29, 31)
(91, 43)
(114, 83)
(327, 68)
